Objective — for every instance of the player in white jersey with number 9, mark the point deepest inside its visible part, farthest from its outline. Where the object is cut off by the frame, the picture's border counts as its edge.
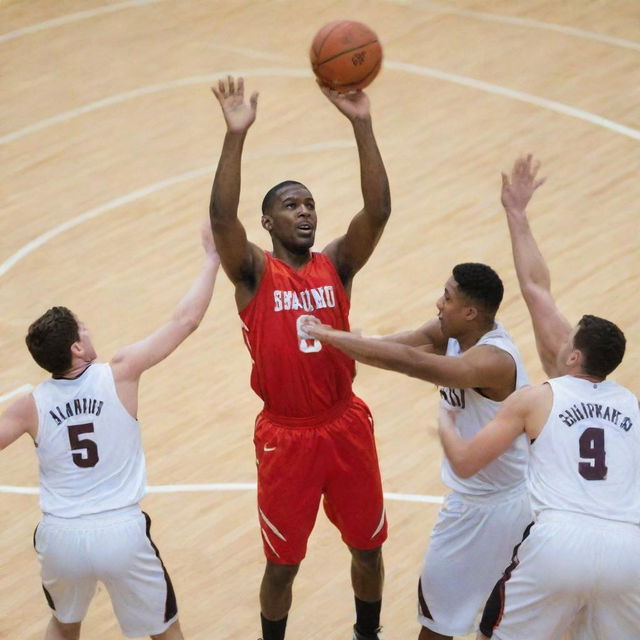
(92, 468)
(577, 569)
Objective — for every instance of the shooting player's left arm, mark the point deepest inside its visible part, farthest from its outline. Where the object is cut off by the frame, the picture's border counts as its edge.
(467, 457)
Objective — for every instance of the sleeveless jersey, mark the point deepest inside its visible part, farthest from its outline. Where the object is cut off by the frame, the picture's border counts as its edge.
(297, 377)
(587, 457)
(89, 447)
(474, 411)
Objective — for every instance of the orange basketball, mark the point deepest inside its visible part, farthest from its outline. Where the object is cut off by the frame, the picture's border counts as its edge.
(346, 55)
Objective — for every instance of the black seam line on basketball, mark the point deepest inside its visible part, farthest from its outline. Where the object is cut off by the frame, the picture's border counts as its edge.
(348, 84)
(335, 26)
(337, 55)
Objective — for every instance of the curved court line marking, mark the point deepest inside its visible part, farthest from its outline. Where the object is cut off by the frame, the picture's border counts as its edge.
(521, 22)
(73, 17)
(34, 244)
(521, 96)
(154, 88)
(16, 392)
(230, 486)
(466, 81)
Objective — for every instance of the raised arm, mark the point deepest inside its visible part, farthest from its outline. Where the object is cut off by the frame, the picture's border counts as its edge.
(550, 327)
(241, 260)
(350, 252)
(484, 367)
(131, 361)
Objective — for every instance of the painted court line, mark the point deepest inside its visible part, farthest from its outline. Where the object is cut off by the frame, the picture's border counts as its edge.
(34, 244)
(230, 486)
(487, 87)
(73, 17)
(528, 23)
(16, 392)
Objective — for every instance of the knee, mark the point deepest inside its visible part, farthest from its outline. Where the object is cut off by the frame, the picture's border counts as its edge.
(369, 559)
(280, 575)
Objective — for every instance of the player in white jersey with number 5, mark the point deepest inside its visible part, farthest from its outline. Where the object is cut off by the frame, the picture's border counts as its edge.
(92, 468)
(476, 364)
(577, 569)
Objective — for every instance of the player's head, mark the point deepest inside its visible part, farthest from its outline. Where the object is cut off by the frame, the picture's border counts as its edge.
(600, 343)
(289, 215)
(471, 298)
(55, 337)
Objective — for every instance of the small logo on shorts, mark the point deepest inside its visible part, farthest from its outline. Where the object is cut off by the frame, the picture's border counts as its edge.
(268, 448)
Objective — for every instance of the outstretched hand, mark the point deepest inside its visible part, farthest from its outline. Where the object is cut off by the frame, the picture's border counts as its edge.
(518, 188)
(238, 114)
(355, 104)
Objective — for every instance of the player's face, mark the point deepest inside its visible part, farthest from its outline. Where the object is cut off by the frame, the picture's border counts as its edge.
(292, 219)
(453, 310)
(88, 352)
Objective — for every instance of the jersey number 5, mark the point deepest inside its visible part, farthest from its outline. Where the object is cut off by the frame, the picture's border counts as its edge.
(89, 456)
(592, 449)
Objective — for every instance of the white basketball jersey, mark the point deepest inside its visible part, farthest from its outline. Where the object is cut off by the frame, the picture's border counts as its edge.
(89, 447)
(587, 457)
(473, 411)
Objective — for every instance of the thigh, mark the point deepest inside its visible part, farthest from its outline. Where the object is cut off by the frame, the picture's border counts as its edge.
(353, 497)
(470, 546)
(543, 589)
(291, 475)
(135, 576)
(68, 579)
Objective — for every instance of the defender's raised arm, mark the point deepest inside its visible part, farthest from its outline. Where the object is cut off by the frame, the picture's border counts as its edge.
(550, 327)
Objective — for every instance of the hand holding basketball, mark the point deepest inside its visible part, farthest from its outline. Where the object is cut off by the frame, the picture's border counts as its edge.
(238, 115)
(354, 104)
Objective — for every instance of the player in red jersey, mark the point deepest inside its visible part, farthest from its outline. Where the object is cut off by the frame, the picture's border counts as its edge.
(314, 438)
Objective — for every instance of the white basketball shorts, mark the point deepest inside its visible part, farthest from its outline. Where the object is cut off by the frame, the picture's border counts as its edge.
(572, 573)
(471, 544)
(114, 548)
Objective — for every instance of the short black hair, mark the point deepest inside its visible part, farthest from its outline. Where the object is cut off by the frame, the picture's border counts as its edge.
(480, 283)
(50, 337)
(601, 343)
(270, 196)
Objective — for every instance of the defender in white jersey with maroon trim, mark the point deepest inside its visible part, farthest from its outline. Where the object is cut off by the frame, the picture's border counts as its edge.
(92, 468)
(577, 569)
(476, 364)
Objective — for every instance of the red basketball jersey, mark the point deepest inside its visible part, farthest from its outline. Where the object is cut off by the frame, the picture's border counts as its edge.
(297, 377)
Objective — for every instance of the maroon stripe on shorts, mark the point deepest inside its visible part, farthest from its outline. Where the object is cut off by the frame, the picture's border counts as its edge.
(170, 606)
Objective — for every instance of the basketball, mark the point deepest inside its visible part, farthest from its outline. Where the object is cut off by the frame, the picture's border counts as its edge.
(346, 55)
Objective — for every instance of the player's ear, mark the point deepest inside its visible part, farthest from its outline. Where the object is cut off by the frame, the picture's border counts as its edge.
(267, 222)
(470, 313)
(76, 349)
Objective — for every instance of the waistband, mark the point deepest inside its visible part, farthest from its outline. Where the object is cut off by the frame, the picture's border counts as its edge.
(315, 420)
(93, 519)
(502, 495)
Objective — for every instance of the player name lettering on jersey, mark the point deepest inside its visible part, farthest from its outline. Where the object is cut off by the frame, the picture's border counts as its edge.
(79, 407)
(307, 299)
(587, 410)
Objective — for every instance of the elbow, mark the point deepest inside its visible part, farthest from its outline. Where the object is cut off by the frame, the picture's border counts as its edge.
(463, 468)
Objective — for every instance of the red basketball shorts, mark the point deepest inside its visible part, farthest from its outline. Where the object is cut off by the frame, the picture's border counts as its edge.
(300, 464)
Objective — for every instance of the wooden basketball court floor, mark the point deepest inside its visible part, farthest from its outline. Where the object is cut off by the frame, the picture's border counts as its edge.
(109, 137)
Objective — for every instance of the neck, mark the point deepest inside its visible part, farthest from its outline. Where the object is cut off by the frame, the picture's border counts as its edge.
(293, 259)
(75, 370)
(471, 337)
(584, 376)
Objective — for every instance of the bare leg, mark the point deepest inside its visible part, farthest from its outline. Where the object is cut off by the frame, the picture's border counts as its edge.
(427, 634)
(276, 590)
(172, 633)
(367, 573)
(62, 631)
